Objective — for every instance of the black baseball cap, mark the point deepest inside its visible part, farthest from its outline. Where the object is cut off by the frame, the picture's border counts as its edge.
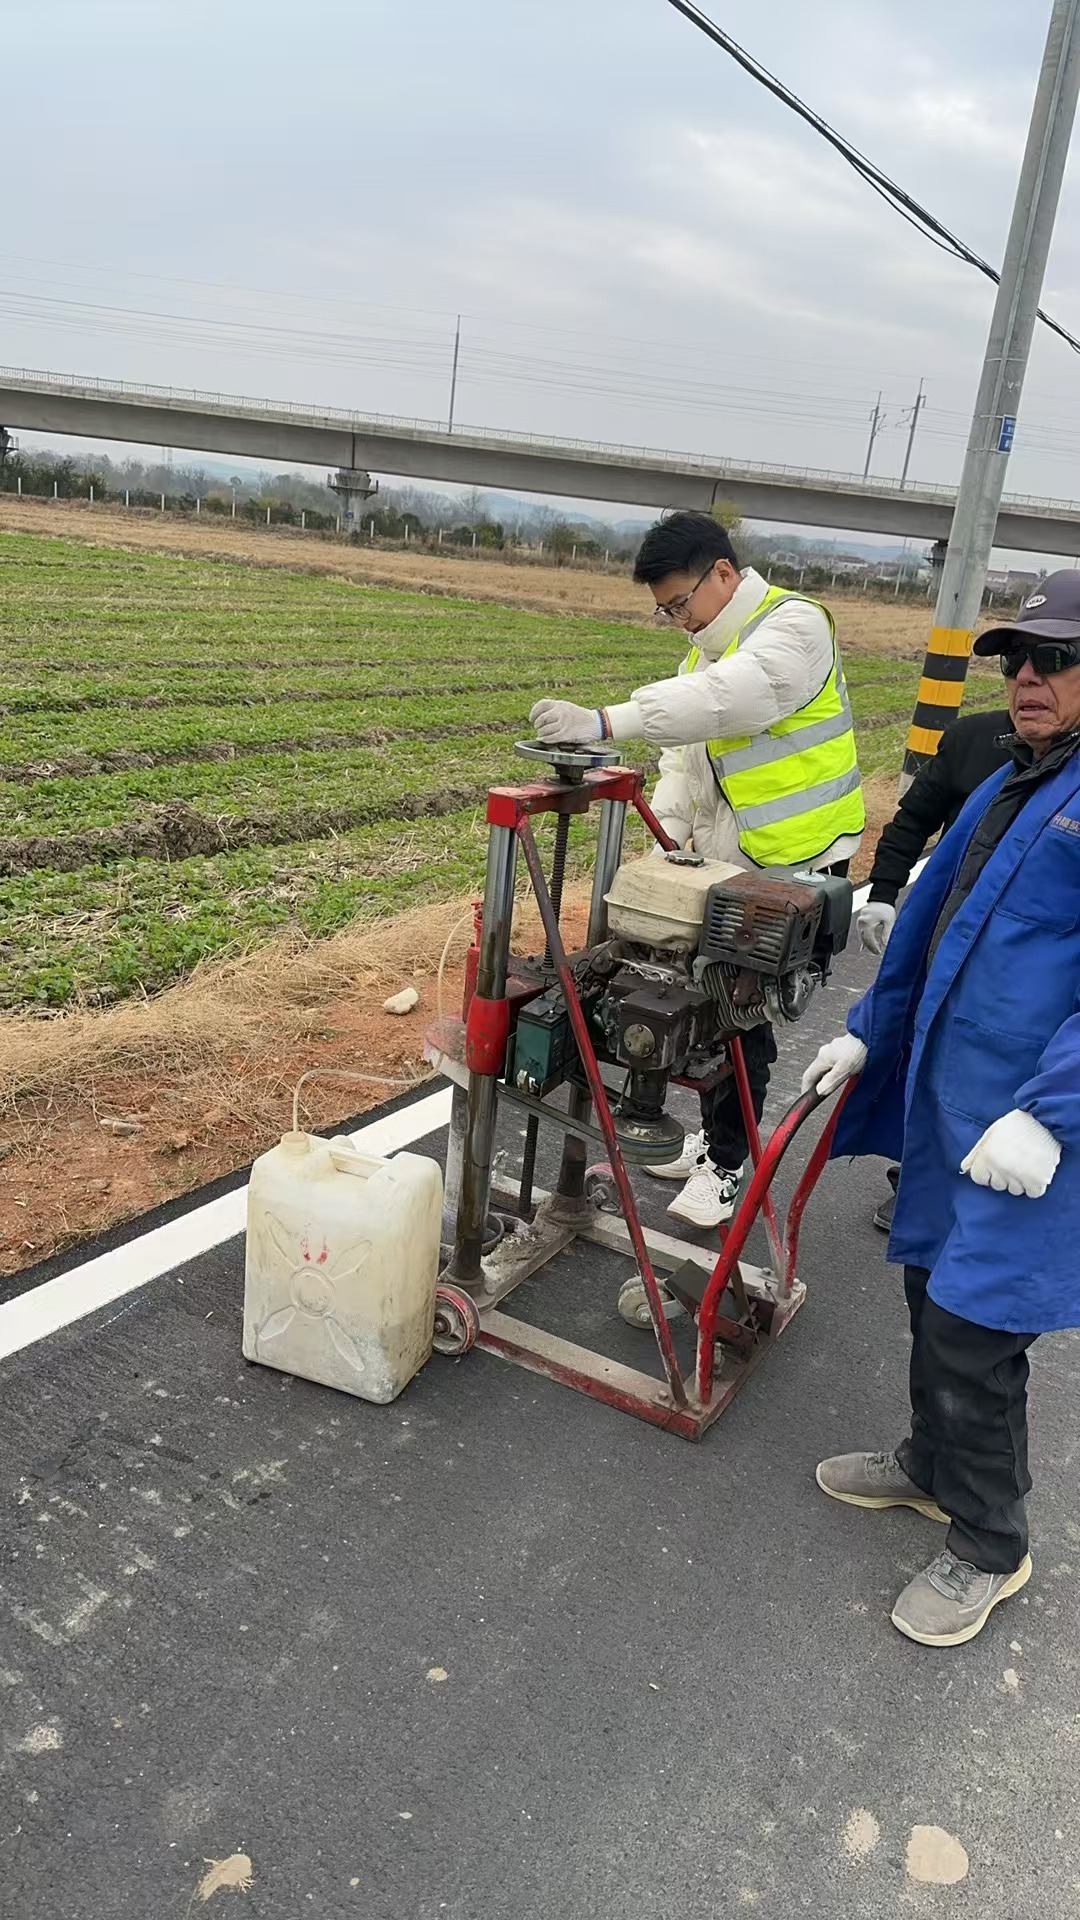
(1050, 612)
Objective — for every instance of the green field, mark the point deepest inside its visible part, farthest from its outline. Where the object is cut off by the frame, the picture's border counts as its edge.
(195, 754)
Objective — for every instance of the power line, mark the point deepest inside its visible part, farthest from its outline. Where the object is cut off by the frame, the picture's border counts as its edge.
(909, 209)
(813, 408)
(874, 370)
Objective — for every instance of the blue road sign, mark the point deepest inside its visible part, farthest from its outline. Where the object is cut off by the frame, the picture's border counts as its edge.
(1006, 432)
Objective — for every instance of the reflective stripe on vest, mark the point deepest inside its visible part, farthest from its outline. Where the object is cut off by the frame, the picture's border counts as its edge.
(795, 788)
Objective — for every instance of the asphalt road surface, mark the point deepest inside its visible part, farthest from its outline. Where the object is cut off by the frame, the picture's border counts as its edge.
(498, 1651)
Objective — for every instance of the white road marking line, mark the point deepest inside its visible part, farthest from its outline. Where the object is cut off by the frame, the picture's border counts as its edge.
(33, 1315)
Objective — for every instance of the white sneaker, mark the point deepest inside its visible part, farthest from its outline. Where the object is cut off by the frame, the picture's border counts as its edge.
(693, 1148)
(709, 1196)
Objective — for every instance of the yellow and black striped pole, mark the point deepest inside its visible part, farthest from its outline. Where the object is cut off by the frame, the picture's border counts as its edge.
(941, 690)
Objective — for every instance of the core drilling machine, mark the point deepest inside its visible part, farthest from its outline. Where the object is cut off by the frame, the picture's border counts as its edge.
(681, 957)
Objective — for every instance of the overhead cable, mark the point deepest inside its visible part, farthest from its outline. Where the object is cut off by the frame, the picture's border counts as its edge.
(917, 216)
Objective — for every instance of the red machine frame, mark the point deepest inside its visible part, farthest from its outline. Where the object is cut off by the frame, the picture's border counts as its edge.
(743, 1308)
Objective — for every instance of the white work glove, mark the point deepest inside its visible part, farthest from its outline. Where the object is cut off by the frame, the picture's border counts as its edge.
(559, 722)
(875, 923)
(1016, 1155)
(836, 1061)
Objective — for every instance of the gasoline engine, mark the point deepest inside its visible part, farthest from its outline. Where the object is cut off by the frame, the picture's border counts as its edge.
(696, 951)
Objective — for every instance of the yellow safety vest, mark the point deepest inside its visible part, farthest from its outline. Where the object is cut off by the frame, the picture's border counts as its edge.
(795, 788)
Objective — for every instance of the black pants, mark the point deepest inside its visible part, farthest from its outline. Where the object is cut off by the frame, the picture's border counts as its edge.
(968, 1445)
(721, 1115)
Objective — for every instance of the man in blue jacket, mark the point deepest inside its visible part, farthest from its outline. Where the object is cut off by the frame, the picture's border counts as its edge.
(968, 1051)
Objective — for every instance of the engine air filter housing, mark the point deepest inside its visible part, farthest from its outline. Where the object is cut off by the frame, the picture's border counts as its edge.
(765, 923)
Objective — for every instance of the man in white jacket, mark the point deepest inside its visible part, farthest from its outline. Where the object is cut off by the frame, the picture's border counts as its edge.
(758, 767)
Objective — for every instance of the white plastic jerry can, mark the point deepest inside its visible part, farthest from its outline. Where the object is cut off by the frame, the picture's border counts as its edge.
(342, 1259)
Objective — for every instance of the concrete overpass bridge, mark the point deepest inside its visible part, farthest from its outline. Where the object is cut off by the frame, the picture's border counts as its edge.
(359, 445)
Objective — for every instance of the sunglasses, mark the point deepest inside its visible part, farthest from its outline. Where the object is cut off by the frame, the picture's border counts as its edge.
(1047, 657)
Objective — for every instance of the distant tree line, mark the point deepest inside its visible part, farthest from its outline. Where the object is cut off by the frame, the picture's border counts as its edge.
(413, 513)
(399, 514)
(142, 483)
(393, 514)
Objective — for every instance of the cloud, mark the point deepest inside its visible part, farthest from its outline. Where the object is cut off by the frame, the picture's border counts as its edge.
(952, 120)
(640, 238)
(536, 258)
(794, 234)
(778, 187)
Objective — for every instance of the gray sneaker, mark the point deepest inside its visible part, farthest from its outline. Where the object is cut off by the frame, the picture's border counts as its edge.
(874, 1480)
(952, 1601)
(883, 1215)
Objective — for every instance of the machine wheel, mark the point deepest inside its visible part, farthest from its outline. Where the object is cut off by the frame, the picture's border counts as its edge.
(600, 1189)
(634, 1303)
(457, 1321)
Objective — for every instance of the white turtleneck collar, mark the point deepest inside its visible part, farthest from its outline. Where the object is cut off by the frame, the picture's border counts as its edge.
(716, 638)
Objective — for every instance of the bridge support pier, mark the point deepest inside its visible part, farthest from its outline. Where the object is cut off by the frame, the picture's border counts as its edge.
(937, 562)
(354, 488)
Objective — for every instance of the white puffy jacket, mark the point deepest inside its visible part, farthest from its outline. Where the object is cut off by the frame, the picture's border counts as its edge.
(781, 666)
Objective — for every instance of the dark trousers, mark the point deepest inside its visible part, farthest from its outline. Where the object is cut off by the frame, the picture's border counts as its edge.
(968, 1446)
(721, 1114)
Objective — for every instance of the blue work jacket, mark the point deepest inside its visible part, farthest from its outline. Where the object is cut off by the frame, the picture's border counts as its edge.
(993, 1024)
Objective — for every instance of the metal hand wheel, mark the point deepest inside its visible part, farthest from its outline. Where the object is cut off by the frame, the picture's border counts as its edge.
(573, 759)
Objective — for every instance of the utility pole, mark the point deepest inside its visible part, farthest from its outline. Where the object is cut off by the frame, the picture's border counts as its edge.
(875, 428)
(453, 376)
(920, 402)
(993, 425)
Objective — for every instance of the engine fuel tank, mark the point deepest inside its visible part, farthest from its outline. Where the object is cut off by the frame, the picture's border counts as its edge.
(661, 902)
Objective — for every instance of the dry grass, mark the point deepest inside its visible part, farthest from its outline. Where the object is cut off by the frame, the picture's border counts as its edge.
(543, 589)
(869, 626)
(104, 1115)
(250, 1007)
(244, 1008)
(880, 791)
(201, 1078)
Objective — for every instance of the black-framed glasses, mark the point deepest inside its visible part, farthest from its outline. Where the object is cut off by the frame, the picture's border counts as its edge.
(676, 610)
(1047, 657)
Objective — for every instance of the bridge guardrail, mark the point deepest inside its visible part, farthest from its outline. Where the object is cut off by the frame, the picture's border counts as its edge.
(90, 387)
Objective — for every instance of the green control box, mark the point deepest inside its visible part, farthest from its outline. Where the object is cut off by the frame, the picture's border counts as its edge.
(543, 1046)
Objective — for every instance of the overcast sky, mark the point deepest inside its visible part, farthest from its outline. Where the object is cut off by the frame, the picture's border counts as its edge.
(294, 201)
